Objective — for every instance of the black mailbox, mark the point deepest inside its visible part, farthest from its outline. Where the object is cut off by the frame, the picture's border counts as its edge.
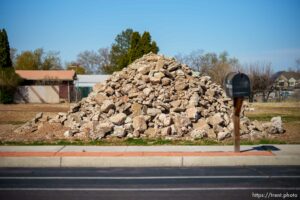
(237, 85)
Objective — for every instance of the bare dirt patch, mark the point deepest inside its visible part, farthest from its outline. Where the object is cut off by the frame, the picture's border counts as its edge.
(292, 135)
(21, 113)
(14, 115)
(290, 113)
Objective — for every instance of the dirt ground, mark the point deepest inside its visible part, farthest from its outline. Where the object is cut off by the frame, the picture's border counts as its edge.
(20, 113)
(14, 115)
(290, 113)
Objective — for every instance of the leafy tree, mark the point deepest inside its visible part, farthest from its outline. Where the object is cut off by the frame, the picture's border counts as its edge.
(154, 47)
(128, 46)
(9, 81)
(5, 60)
(38, 60)
(76, 67)
(8, 78)
(145, 43)
(119, 50)
(27, 60)
(135, 51)
(141, 45)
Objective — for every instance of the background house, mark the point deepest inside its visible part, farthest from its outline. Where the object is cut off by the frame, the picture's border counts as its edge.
(46, 86)
(84, 83)
(286, 84)
(286, 80)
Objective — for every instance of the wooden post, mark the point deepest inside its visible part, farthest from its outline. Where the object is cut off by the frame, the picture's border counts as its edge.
(237, 104)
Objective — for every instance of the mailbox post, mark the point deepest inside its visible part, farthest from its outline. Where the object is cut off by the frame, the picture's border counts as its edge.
(237, 86)
(237, 105)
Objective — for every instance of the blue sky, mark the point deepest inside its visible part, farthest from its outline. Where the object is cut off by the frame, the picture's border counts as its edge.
(250, 30)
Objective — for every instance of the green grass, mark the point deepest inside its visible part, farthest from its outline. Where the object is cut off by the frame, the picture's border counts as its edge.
(144, 142)
(268, 117)
(262, 141)
(147, 142)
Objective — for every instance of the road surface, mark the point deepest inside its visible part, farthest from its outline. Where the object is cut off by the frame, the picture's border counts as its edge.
(150, 183)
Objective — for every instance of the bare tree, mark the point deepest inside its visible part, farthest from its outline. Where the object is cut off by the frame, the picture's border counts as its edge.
(193, 60)
(211, 64)
(104, 59)
(89, 60)
(13, 55)
(94, 62)
(298, 65)
(218, 66)
(180, 58)
(51, 61)
(260, 75)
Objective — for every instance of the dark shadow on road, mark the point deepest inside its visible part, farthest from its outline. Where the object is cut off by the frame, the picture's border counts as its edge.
(263, 148)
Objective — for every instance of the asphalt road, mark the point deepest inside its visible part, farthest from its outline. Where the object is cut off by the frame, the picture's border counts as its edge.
(150, 183)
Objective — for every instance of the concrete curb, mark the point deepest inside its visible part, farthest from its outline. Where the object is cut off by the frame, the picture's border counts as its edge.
(30, 162)
(146, 156)
(131, 154)
(147, 161)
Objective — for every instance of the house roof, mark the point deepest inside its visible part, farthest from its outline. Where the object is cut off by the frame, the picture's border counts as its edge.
(295, 75)
(288, 75)
(62, 75)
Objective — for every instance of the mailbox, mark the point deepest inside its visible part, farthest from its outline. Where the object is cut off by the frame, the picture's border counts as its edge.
(237, 85)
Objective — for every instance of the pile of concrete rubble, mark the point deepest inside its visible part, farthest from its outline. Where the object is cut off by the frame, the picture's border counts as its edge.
(155, 97)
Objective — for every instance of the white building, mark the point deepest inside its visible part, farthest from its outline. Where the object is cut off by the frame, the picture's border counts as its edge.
(85, 83)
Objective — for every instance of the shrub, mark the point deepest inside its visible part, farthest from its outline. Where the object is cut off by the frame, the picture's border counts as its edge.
(9, 81)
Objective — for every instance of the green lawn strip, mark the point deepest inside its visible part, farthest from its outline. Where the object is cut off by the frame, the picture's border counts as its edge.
(144, 142)
(268, 117)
